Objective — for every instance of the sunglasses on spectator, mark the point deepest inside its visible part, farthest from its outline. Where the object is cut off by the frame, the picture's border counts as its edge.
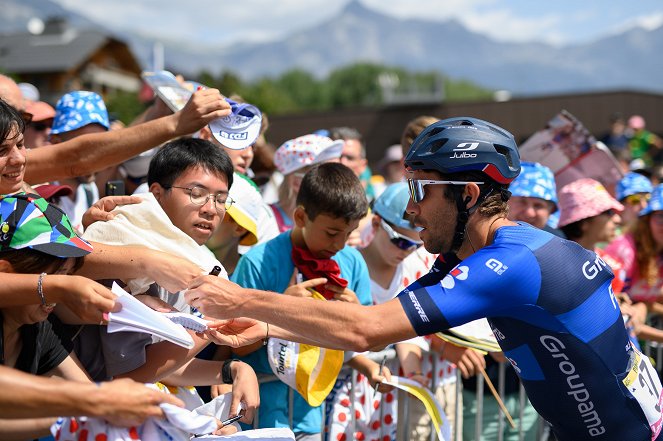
(637, 199)
(416, 186)
(401, 241)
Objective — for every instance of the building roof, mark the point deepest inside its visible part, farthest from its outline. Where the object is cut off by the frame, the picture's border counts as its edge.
(57, 52)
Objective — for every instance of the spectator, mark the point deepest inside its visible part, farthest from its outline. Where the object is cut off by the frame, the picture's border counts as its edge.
(643, 144)
(330, 203)
(617, 138)
(38, 238)
(38, 130)
(633, 192)
(293, 159)
(177, 214)
(534, 196)
(79, 113)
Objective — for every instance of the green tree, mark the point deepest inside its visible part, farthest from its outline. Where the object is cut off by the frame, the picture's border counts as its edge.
(124, 106)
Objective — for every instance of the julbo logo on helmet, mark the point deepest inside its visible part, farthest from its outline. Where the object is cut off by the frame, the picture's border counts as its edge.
(464, 144)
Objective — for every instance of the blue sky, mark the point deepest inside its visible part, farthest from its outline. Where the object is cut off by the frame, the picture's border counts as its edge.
(220, 22)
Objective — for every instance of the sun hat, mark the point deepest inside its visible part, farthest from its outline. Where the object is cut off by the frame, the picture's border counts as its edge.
(39, 110)
(306, 150)
(632, 183)
(393, 153)
(246, 207)
(240, 129)
(391, 205)
(535, 181)
(79, 109)
(584, 198)
(655, 202)
(28, 221)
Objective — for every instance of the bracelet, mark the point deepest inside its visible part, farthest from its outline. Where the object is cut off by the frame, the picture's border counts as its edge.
(264, 340)
(40, 288)
(226, 374)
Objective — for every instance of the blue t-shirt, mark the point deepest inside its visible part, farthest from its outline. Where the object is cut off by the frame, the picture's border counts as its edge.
(268, 266)
(553, 312)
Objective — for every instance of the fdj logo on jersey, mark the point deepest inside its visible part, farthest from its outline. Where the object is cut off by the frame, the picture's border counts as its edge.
(460, 273)
(464, 147)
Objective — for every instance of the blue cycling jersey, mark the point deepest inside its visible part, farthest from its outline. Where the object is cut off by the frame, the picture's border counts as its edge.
(553, 312)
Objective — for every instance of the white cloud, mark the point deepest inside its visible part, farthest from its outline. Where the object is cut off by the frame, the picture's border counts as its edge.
(648, 22)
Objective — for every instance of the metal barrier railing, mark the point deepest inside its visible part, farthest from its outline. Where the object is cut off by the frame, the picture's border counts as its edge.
(651, 349)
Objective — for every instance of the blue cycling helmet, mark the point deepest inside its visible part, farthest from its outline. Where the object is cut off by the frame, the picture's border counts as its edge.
(466, 144)
(632, 183)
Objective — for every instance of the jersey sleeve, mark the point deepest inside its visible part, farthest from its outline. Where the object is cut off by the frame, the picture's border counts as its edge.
(487, 284)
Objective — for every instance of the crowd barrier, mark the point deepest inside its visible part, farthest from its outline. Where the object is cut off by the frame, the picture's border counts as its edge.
(651, 349)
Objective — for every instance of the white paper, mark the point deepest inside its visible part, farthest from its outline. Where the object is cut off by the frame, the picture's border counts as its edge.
(279, 434)
(137, 317)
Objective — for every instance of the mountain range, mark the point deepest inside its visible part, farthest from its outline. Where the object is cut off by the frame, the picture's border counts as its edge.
(630, 60)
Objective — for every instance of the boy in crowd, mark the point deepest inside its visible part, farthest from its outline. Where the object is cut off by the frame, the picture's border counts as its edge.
(79, 113)
(188, 182)
(330, 203)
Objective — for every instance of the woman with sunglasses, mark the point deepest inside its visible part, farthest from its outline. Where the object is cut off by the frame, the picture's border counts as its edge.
(633, 191)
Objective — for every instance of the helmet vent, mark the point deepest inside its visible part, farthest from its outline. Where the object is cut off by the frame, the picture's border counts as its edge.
(500, 132)
(504, 151)
(437, 145)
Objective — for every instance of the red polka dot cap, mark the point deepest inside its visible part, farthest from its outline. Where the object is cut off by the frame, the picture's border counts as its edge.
(306, 150)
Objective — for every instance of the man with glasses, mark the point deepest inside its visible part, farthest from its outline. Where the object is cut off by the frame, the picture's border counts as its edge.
(548, 300)
(189, 182)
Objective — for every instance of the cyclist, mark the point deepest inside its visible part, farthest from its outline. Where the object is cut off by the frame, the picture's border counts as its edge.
(547, 299)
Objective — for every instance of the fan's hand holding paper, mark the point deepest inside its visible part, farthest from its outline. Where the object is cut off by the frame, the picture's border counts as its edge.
(136, 317)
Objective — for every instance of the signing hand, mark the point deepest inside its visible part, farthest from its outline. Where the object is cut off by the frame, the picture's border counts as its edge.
(172, 272)
(236, 332)
(215, 296)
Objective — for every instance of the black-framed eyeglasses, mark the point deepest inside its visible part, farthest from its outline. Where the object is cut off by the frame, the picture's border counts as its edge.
(416, 187)
(200, 196)
(401, 241)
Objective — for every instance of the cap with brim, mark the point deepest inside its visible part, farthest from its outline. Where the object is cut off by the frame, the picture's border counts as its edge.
(240, 129)
(29, 221)
(306, 150)
(535, 181)
(48, 191)
(79, 109)
(583, 199)
(393, 153)
(632, 183)
(246, 208)
(391, 205)
(39, 110)
(655, 202)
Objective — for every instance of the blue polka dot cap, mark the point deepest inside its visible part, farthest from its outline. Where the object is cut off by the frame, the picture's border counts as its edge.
(535, 181)
(79, 109)
(656, 201)
(632, 183)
